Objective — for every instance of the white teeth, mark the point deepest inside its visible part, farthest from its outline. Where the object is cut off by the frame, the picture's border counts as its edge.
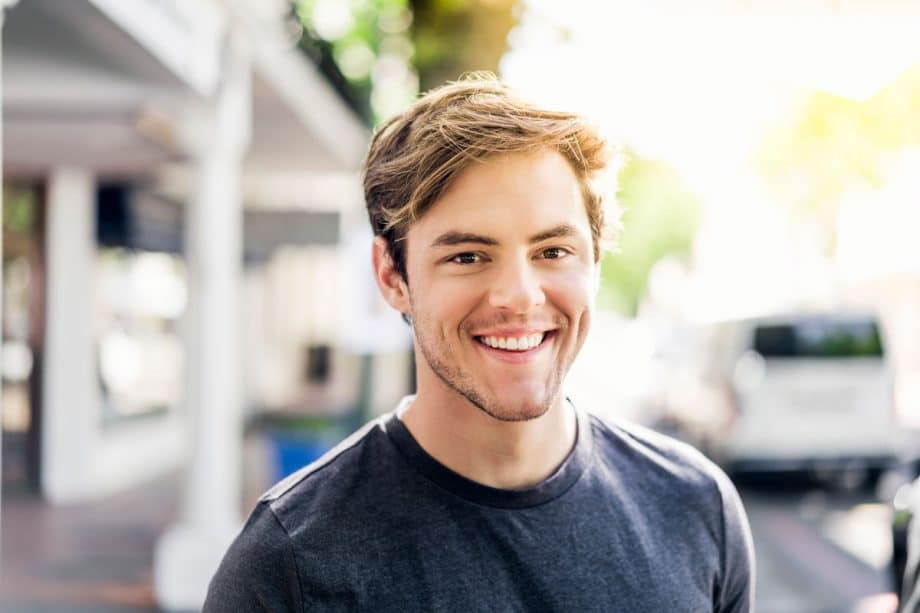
(522, 343)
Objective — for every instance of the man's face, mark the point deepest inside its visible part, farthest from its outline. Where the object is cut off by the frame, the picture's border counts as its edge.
(501, 286)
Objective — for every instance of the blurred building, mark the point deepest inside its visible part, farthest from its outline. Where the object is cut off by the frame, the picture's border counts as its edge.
(182, 252)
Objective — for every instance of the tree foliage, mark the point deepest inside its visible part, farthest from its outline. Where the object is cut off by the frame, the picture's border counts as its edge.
(660, 217)
(364, 50)
(832, 143)
(456, 36)
(377, 53)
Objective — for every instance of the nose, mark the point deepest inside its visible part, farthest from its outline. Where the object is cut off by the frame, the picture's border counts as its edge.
(517, 287)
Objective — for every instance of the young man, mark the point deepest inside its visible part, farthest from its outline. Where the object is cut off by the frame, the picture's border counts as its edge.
(488, 490)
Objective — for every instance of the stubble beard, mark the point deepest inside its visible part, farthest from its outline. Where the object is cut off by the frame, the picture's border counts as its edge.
(462, 383)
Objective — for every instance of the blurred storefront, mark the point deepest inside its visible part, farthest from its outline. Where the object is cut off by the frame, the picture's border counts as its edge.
(180, 186)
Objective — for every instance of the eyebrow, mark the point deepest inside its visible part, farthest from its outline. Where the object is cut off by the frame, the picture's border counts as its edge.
(449, 239)
(452, 238)
(563, 230)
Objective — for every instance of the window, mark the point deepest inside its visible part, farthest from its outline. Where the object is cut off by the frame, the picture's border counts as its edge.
(819, 338)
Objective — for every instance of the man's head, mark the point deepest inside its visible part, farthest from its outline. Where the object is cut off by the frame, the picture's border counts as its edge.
(489, 224)
(415, 156)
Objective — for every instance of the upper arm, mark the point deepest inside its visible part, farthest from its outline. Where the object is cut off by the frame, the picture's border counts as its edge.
(736, 592)
(258, 571)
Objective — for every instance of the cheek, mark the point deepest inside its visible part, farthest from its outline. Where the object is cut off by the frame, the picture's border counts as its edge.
(447, 302)
(573, 293)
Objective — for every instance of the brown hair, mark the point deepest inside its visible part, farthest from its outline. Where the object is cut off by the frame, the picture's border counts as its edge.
(414, 156)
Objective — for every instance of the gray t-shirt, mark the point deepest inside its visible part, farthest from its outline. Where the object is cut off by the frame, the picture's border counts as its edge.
(631, 521)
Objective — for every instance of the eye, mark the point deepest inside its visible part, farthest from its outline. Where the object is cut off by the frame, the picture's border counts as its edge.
(466, 258)
(554, 253)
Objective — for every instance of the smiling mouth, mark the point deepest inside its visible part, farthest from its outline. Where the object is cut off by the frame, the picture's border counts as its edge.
(515, 343)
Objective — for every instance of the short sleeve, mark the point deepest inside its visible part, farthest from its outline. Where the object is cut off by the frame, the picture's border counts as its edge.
(736, 594)
(258, 572)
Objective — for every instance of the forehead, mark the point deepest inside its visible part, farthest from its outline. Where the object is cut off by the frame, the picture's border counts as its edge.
(508, 195)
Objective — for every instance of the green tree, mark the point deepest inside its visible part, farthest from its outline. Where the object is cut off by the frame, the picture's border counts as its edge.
(456, 36)
(364, 50)
(832, 143)
(377, 53)
(660, 218)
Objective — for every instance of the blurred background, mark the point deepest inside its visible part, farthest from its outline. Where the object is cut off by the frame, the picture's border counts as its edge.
(188, 310)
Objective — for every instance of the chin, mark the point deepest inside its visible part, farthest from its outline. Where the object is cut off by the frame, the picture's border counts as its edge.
(514, 412)
(518, 416)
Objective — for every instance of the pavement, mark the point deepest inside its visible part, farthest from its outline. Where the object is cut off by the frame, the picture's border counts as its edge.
(820, 550)
(97, 556)
(86, 557)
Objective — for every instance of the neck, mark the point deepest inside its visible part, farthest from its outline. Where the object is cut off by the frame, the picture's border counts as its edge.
(507, 455)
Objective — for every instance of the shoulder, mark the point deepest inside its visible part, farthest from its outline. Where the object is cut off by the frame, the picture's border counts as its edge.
(680, 481)
(655, 455)
(258, 571)
(673, 473)
(262, 569)
(345, 482)
(339, 457)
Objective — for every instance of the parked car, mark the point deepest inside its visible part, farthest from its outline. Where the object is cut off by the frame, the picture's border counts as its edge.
(800, 392)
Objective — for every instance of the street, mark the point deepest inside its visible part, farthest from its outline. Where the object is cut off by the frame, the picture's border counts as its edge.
(818, 550)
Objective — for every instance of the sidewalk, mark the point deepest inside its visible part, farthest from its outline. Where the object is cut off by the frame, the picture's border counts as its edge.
(99, 556)
(88, 557)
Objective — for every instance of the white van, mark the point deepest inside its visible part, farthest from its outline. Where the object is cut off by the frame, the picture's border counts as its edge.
(803, 392)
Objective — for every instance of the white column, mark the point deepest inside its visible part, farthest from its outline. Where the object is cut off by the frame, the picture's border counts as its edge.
(70, 390)
(188, 553)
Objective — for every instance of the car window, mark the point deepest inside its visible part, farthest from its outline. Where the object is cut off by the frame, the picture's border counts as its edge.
(819, 338)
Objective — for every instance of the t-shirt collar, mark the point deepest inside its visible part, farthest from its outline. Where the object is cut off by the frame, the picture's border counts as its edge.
(562, 479)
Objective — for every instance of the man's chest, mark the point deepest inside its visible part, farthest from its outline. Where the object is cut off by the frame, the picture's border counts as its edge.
(484, 563)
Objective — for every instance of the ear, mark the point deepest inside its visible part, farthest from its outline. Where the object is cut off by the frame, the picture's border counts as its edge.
(392, 286)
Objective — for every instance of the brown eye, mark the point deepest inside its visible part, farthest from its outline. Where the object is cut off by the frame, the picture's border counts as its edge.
(554, 253)
(466, 258)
